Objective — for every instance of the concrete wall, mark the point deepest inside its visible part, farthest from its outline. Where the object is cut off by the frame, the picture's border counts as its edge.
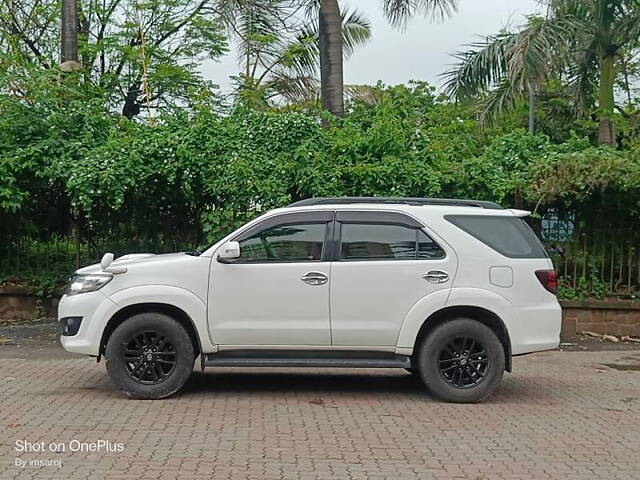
(611, 318)
(23, 305)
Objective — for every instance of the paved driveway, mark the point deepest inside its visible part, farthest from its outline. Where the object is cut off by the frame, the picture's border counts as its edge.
(571, 415)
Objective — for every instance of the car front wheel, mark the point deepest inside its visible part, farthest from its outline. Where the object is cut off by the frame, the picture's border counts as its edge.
(149, 356)
(461, 361)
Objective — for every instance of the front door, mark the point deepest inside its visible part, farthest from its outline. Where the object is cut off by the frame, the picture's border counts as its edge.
(385, 263)
(277, 292)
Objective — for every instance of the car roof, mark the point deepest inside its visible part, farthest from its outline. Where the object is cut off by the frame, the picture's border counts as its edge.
(423, 212)
(416, 201)
(419, 211)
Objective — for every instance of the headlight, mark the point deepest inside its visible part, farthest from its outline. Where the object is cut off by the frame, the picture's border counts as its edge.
(87, 283)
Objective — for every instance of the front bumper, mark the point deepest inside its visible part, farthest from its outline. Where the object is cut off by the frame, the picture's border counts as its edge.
(95, 308)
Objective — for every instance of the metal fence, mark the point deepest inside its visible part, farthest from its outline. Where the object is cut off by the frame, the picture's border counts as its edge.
(593, 257)
(600, 264)
(25, 259)
(29, 260)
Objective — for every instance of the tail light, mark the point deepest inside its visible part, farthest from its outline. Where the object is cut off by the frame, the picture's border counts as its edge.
(548, 279)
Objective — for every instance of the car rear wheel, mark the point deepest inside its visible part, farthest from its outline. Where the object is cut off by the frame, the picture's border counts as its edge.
(149, 356)
(461, 361)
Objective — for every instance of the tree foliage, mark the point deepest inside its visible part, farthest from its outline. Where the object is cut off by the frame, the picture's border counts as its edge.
(277, 45)
(194, 175)
(581, 43)
(124, 46)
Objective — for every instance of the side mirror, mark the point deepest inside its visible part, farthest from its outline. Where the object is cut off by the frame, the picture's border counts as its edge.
(229, 251)
(107, 260)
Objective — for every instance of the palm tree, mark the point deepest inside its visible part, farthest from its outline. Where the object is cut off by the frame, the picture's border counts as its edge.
(279, 49)
(303, 58)
(330, 42)
(398, 12)
(256, 25)
(577, 41)
(337, 34)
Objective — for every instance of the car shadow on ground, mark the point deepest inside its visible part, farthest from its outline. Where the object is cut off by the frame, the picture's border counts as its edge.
(246, 380)
(363, 384)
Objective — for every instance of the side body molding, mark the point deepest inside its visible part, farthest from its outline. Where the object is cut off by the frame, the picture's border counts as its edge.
(457, 296)
(178, 297)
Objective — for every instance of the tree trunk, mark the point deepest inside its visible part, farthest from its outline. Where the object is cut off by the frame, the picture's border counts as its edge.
(249, 40)
(331, 78)
(606, 130)
(532, 109)
(69, 37)
(84, 29)
(131, 107)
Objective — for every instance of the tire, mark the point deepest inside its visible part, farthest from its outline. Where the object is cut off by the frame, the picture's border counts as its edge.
(139, 370)
(461, 361)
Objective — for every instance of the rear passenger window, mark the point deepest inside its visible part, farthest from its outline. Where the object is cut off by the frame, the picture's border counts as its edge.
(427, 248)
(366, 241)
(510, 236)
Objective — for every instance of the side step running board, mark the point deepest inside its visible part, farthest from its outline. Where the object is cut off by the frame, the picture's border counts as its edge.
(223, 360)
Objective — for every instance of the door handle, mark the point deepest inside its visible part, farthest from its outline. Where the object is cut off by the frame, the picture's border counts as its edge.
(314, 278)
(436, 276)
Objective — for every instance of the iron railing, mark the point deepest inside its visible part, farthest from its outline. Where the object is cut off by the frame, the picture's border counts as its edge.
(598, 264)
(601, 264)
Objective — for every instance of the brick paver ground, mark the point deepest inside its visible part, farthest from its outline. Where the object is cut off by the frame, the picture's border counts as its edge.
(559, 415)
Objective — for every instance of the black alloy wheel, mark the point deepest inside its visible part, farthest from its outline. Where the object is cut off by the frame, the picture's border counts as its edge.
(149, 357)
(463, 362)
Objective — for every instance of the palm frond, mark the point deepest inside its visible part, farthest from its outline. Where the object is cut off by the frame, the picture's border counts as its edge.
(572, 8)
(399, 12)
(303, 52)
(504, 96)
(312, 9)
(514, 62)
(300, 55)
(478, 68)
(294, 88)
(356, 31)
(540, 49)
(581, 69)
(628, 30)
(363, 93)
(258, 26)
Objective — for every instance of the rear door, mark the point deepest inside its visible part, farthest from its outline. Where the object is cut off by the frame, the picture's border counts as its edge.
(385, 262)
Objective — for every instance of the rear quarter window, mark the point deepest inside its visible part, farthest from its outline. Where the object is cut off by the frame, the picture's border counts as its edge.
(507, 235)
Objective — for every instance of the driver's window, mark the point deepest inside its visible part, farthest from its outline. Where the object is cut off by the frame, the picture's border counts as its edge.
(302, 242)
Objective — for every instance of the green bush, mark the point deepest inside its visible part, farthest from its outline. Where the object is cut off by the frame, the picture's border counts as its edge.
(73, 167)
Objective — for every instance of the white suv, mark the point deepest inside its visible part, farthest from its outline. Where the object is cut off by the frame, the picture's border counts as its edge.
(449, 290)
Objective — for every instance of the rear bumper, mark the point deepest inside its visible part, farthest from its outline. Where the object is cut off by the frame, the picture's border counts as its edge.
(536, 328)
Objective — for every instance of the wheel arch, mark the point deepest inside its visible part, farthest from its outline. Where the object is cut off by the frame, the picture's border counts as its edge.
(129, 311)
(480, 314)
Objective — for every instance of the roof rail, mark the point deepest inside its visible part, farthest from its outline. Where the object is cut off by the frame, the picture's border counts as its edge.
(397, 200)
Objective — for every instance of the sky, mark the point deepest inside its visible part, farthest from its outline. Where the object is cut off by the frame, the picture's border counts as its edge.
(422, 52)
